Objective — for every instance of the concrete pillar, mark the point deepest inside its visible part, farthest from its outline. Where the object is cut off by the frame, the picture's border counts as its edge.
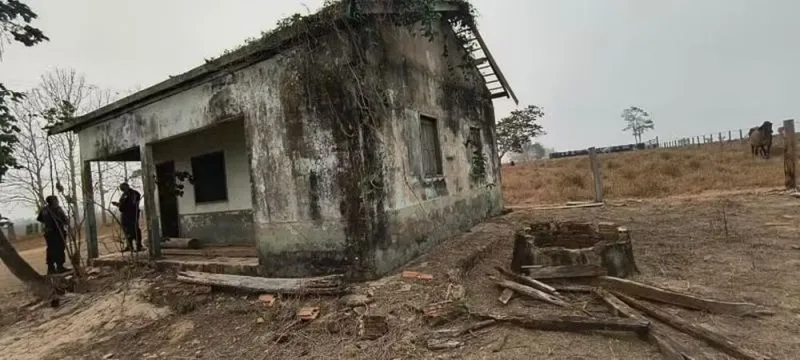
(149, 195)
(88, 207)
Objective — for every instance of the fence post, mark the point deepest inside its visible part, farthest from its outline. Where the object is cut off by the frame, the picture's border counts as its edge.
(789, 156)
(598, 180)
(740, 134)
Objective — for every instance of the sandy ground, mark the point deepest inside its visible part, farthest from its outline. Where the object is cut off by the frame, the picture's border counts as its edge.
(736, 247)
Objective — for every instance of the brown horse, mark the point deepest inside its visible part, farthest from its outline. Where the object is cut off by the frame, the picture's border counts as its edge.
(761, 140)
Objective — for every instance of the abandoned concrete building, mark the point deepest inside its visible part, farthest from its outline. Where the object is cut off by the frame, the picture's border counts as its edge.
(348, 141)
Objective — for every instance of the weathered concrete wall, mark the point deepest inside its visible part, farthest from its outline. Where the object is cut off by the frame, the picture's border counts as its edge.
(219, 228)
(227, 137)
(425, 211)
(193, 109)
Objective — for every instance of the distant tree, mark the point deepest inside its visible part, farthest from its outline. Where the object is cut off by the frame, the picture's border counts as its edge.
(518, 129)
(538, 150)
(638, 122)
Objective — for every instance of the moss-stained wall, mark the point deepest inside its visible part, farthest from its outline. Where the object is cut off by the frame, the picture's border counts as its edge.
(332, 134)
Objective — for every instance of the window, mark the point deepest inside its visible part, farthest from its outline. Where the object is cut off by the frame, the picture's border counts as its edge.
(431, 154)
(475, 138)
(208, 172)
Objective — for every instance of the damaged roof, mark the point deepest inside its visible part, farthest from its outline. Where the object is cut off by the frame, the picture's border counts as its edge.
(267, 46)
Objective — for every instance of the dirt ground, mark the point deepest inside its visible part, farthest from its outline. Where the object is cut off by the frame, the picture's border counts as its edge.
(728, 246)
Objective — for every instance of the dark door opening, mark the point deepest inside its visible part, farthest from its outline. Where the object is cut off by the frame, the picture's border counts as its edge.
(167, 199)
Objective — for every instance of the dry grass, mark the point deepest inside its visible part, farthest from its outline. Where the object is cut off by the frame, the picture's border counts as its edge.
(644, 174)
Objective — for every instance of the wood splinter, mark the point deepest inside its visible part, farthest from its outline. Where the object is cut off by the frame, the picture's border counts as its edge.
(525, 280)
(532, 293)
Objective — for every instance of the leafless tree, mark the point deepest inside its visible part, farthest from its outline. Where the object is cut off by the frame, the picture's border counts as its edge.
(28, 185)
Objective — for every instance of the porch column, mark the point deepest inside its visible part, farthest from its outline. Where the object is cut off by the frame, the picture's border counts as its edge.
(149, 188)
(88, 209)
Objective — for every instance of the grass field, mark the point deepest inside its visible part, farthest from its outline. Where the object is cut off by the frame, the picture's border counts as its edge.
(644, 174)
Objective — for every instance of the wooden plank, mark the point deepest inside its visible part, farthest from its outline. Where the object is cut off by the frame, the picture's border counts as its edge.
(572, 323)
(180, 243)
(572, 288)
(564, 271)
(525, 280)
(323, 285)
(557, 207)
(532, 293)
(649, 292)
(669, 347)
(709, 336)
(789, 155)
(594, 163)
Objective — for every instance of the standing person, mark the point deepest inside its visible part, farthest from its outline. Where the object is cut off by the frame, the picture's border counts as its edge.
(128, 205)
(55, 223)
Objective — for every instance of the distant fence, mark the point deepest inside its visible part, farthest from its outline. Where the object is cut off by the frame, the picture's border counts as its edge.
(651, 144)
(720, 137)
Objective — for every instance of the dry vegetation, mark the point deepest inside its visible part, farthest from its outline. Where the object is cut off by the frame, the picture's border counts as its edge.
(644, 174)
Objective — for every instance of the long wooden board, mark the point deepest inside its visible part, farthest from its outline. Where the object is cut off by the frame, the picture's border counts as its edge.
(316, 285)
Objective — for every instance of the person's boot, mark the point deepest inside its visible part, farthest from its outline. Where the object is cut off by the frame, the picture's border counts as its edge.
(51, 269)
(61, 269)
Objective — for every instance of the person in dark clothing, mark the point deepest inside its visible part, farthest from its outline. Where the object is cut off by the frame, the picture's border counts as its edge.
(128, 205)
(55, 223)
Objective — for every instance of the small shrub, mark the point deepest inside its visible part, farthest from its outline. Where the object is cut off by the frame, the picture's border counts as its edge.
(671, 169)
(573, 180)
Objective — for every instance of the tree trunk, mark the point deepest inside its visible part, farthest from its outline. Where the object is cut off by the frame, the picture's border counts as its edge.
(35, 282)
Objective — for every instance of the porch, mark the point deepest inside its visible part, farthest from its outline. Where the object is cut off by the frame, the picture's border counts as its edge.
(194, 185)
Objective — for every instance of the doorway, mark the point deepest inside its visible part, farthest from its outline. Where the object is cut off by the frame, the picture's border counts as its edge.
(167, 199)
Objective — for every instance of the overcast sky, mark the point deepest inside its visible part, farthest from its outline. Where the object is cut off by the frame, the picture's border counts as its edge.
(697, 66)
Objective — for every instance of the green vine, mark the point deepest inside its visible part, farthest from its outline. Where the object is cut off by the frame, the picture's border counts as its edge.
(478, 168)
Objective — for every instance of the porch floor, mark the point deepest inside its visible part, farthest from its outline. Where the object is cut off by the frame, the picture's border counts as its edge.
(223, 260)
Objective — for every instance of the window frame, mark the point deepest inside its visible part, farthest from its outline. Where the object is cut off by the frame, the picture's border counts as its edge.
(438, 164)
(205, 198)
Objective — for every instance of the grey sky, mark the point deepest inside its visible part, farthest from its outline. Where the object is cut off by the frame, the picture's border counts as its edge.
(696, 66)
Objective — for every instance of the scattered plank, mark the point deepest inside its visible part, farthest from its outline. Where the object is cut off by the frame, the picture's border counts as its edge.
(669, 347)
(564, 271)
(709, 336)
(505, 296)
(532, 293)
(572, 288)
(443, 344)
(461, 330)
(180, 243)
(525, 280)
(649, 292)
(371, 327)
(324, 285)
(572, 323)
(559, 207)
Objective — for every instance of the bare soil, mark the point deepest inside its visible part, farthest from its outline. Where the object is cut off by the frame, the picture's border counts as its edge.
(729, 246)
